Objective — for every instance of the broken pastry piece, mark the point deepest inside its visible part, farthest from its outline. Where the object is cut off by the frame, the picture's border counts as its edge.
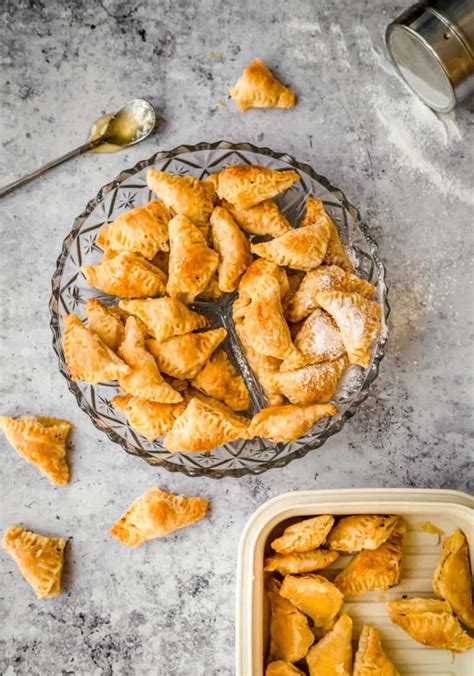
(258, 88)
(233, 248)
(220, 379)
(452, 579)
(41, 442)
(288, 422)
(318, 340)
(332, 655)
(151, 419)
(104, 323)
(370, 659)
(39, 558)
(126, 275)
(264, 218)
(156, 514)
(431, 623)
(335, 253)
(313, 595)
(361, 531)
(305, 562)
(290, 635)
(281, 668)
(304, 536)
(310, 384)
(245, 185)
(165, 317)
(183, 195)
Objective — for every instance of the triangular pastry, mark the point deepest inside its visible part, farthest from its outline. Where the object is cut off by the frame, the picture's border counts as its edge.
(358, 320)
(87, 356)
(143, 230)
(184, 195)
(126, 275)
(257, 269)
(151, 419)
(304, 536)
(39, 558)
(335, 253)
(305, 562)
(452, 580)
(309, 384)
(332, 655)
(104, 323)
(220, 379)
(144, 380)
(165, 317)
(313, 595)
(192, 263)
(288, 422)
(370, 659)
(212, 290)
(184, 356)
(204, 425)
(290, 635)
(281, 668)
(233, 248)
(245, 185)
(257, 87)
(41, 442)
(156, 514)
(264, 218)
(361, 531)
(431, 623)
(318, 340)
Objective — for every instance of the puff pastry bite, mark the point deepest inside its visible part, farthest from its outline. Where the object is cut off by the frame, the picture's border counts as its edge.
(361, 531)
(290, 635)
(318, 340)
(126, 275)
(204, 425)
(264, 218)
(87, 356)
(184, 356)
(258, 88)
(358, 320)
(151, 419)
(184, 195)
(41, 442)
(245, 185)
(143, 230)
(233, 248)
(305, 562)
(452, 580)
(255, 271)
(281, 668)
(301, 248)
(313, 383)
(304, 536)
(220, 379)
(335, 253)
(332, 655)
(105, 324)
(288, 422)
(370, 659)
(431, 623)
(144, 380)
(325, 278)
(212, 290)
(374, 569)
(39, 558)
(192, 263)
(313, 595)
(156, 514)
(165, 317)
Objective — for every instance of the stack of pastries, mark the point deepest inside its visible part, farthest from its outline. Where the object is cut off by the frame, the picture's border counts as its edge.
(301, 313)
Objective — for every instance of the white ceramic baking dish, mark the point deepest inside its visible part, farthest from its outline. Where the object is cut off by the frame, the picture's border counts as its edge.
(447, 510)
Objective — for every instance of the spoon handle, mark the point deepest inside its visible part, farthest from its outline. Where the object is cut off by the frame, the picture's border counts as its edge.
(46, 167)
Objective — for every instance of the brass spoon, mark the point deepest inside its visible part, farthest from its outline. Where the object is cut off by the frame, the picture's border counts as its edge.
(131, 124)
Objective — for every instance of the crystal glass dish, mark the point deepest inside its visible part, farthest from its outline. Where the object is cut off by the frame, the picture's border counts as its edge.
(70, 292)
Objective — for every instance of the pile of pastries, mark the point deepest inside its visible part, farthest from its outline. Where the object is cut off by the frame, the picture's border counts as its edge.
(301, 313)
(308, 633)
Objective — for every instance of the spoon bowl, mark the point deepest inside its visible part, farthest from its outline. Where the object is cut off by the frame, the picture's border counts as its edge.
(129, 125)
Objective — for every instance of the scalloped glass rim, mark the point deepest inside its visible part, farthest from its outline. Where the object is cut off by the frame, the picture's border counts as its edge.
(262, 466)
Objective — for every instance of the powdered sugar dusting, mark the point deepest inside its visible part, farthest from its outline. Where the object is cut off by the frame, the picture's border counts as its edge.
(318, 338)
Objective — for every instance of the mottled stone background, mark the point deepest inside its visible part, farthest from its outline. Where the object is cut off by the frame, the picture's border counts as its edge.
(168, 608)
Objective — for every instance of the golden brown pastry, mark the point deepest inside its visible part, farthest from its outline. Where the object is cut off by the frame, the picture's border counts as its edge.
(245, 185)
(103, 323)
(184, 195)
(184, 356)
(126, 275)
(318, 340)
(324, 278)
(87, 357)
(332, 655)
(165, 317)
(192, 263)
(358, 320)
(314, 383)
(161, 260)
(144, 380)
(306, 562)
(452, 580)
(335, 253)
(220, 379)
(264, 218)
(204, 425)
(361, 531)
(288, 422)
(431, 623)
(300, 248)
(156, 514)
(151, 419)
(233, 248)
(295, 278)
(212, 290)
(304, 536)
(41, 442)
(370, 659)
(254, 272)
(258, 88)
(39, 558)
(143, 230)
(313, 595)
(373, 569)
(281, 668)
(290, 635)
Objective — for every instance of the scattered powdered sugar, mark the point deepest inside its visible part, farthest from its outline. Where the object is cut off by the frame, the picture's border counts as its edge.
(318, 338)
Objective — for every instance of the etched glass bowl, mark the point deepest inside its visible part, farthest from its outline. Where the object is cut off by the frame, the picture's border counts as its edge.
(70, 292)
